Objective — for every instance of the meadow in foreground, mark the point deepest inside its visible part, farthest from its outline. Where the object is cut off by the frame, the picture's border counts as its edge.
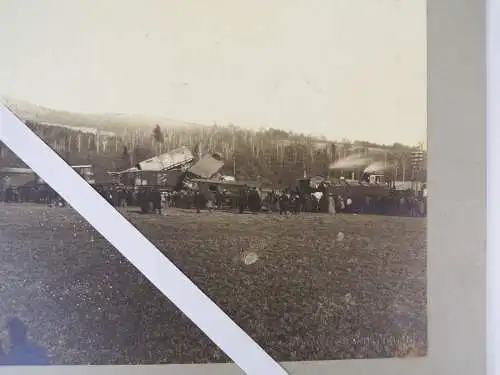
(318, 287)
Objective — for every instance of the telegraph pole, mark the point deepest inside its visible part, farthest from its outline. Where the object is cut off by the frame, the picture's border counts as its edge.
(417, 161)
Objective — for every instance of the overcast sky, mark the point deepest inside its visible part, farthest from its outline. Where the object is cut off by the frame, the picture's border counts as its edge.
(351, 69)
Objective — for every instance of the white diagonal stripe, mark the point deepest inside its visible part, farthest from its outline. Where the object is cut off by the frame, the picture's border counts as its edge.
(177, 287)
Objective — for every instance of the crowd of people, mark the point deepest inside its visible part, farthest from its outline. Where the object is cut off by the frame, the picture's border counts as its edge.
(154, 199)
(37, 194)
(401, 203)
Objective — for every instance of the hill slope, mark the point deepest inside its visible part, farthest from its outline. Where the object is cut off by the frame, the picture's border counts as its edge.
(88, 122)
(118, 141)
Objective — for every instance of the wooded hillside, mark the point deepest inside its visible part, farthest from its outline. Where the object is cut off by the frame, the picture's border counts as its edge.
(272, 154)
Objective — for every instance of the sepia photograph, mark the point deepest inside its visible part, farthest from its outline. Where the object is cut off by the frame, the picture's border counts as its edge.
(275, 152)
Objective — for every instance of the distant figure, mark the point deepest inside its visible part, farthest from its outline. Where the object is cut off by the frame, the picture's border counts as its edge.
(413, 206)
(242, 201)
(421, 207)
(340, 203)
(284, 203)
(9, 195)
(122, 193)
(324, 204)
(210, 197)
(156, 199)
(22, 353)
(331, 204)
(276, 201)
(365, 178)
(349, 204)
(164, 201)
(297, 204)
(197, 201)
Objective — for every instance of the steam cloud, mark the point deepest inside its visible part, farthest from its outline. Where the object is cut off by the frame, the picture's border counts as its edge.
(351, 162)
(375, 167)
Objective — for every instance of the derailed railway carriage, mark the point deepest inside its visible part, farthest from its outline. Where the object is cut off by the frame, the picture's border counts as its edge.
(173, 171)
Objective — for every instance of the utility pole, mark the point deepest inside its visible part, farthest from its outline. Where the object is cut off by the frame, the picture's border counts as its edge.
(417, 161)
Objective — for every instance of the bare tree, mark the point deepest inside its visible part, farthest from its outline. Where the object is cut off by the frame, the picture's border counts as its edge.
(158, 139)
(404, 159)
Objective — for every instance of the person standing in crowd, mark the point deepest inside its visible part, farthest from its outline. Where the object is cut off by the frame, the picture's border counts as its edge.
(421, 207)
(210, 198)
(276, 201)
(283, 199)
(315, 200)
(163, 204)
(197, 201)
(412, 201)
(349, 207)
(242, 200)
(219, 199)
(9, 194)
(142, 200)
(122, 194)
(4, 182)
(331, 204)
(341, 203)
(402, 205)
(156, 198)
(323, 204)
(297, 203)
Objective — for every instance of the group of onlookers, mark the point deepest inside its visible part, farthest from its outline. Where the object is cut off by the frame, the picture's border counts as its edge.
(401, 203)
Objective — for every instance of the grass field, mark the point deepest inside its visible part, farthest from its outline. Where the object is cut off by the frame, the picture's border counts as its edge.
(313, 293)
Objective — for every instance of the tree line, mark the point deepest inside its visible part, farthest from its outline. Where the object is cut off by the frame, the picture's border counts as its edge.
(271, 154)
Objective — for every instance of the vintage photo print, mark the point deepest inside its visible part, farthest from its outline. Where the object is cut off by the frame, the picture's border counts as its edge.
(275, 152)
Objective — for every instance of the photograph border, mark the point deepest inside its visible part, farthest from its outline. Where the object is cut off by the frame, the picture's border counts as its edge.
(456, 108)
(493, 186)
